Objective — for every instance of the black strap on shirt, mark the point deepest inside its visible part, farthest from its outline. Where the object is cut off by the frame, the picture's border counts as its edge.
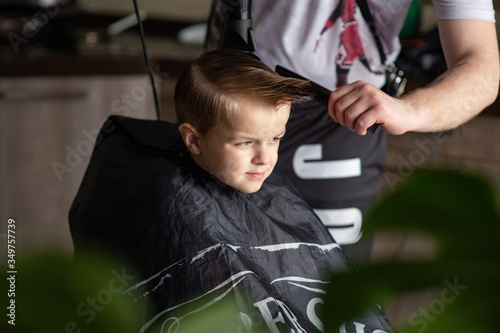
(367, 15)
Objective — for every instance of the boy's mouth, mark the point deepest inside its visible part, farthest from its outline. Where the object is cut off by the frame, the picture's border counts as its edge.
(256, 175)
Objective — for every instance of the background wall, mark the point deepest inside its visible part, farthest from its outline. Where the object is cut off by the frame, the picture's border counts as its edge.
(193, 10)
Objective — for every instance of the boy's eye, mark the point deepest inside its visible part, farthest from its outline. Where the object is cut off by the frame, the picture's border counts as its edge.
(243, 144)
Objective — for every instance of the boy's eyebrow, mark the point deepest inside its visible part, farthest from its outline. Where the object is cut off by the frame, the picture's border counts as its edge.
(237, 136)
(282, 133)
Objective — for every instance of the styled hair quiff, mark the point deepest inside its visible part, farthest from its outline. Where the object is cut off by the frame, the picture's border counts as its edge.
(208, 87)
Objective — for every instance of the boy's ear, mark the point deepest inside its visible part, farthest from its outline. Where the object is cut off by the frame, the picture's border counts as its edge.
(190, 137)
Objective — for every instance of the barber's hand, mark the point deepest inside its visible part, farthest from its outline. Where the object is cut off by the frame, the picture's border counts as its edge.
(360, 105)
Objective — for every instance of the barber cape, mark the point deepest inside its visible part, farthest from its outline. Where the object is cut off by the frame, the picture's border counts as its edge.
(192, 238)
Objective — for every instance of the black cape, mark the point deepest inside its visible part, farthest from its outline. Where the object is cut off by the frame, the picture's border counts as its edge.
(191, 237)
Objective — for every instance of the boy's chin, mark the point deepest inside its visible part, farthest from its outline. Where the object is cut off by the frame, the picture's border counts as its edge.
(251, 191)
(245, 186)
(248, 188)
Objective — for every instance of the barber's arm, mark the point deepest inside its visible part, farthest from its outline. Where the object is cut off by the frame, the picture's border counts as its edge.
(468, 86)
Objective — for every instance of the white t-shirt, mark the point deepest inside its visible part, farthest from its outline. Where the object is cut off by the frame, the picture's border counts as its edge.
(287, 32)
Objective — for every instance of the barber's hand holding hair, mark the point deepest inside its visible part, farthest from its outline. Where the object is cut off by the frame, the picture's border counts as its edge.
(360, 105)
(468, 86)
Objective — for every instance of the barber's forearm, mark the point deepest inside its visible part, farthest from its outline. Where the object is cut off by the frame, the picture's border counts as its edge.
(470, 84)
(455, 97)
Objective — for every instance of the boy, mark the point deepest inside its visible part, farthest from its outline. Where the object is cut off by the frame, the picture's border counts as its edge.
(196, 210)
(233, 119)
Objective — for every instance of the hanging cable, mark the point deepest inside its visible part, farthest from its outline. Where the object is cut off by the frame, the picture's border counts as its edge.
(146, 57)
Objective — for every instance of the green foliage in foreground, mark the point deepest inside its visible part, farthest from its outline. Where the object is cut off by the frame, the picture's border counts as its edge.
(460, 212)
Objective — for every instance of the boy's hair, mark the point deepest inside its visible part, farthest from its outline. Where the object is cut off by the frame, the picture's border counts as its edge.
(206, 89)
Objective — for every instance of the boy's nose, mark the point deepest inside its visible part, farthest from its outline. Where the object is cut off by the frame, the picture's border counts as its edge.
(262, 156)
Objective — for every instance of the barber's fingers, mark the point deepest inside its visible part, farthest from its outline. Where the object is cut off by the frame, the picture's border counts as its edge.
(356, 106)
(341, 99)
(361, 124)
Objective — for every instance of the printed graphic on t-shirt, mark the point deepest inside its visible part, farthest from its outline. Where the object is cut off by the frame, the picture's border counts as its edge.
(350, 46)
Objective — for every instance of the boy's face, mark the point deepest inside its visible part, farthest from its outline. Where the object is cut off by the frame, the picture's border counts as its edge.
(242, 149)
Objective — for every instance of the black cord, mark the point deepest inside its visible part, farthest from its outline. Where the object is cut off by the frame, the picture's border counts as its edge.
(146, 57)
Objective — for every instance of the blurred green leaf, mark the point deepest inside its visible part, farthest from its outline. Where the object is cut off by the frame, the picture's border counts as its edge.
(461, 212)
(54, 293)
(454, 207)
